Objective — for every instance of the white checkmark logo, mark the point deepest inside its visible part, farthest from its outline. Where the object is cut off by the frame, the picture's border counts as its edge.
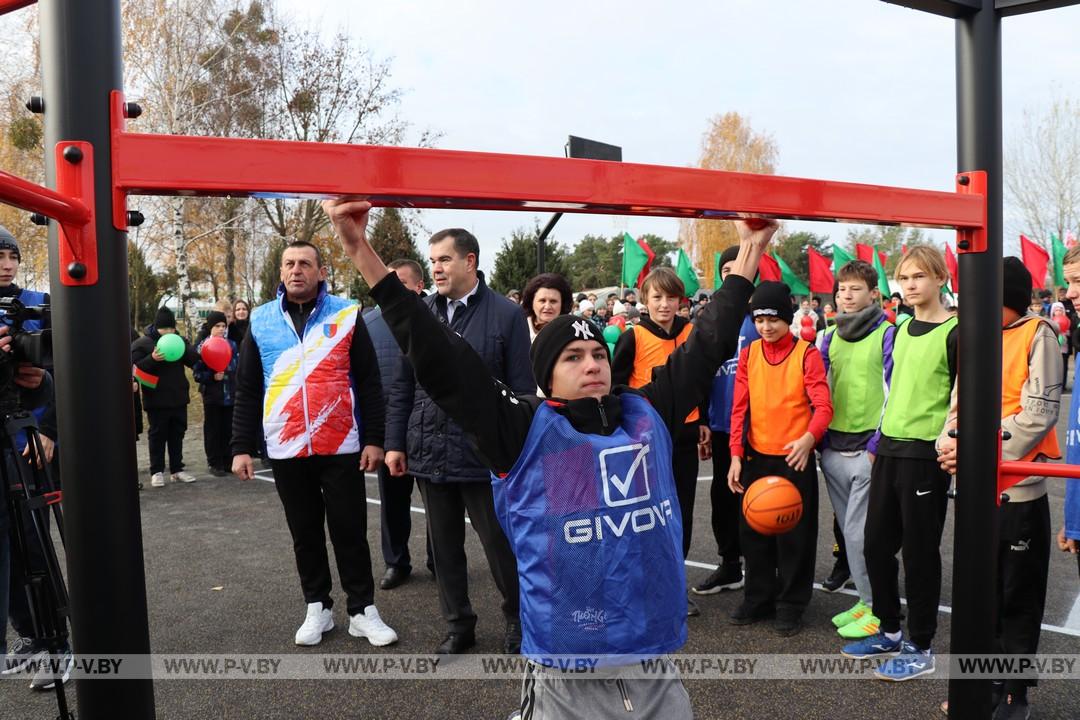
(622, 485)
(923, 492)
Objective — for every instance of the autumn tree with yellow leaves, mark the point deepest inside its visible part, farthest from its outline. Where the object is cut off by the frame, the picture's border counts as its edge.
(729, 143)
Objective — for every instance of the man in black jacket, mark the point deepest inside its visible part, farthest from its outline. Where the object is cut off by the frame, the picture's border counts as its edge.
(612, 593)
(452, 478)
(165, 398)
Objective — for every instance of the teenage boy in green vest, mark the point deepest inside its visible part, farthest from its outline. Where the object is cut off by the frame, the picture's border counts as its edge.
(857, 352)
(907, 504)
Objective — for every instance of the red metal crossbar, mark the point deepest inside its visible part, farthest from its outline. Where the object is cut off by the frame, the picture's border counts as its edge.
(1019, 470)
(36, 198)
(7, 6)
(426, 178)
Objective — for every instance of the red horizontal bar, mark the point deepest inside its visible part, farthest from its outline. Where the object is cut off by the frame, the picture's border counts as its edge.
(413, 177)
(7, 6)
(36, 198)
(1016, 468)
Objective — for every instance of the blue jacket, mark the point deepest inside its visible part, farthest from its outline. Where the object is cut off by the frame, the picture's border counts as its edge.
(435, 446)
(723, 387)
(386, 349)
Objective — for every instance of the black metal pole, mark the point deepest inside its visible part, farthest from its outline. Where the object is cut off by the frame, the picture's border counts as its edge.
(540, 241)
(978, 130)
(81, 63)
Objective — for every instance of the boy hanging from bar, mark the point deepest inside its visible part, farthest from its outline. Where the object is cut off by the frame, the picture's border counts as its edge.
(1031, 382)
(583, 484)
(907, 504)
(780, 412)
(858, 360)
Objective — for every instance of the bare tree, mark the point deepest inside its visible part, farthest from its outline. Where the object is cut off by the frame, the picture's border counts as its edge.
(1042, 173)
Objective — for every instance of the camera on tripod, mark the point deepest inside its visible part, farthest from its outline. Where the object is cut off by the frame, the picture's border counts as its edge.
(32, 346)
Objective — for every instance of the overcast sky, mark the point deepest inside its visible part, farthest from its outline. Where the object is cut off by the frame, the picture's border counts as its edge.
(853, 90)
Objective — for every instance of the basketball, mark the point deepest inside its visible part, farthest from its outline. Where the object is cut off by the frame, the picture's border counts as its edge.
(772, 505)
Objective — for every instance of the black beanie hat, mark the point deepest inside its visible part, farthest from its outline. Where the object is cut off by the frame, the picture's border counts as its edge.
(1016, 282)
(728, 255)
(214, 317)
(772, 298)
(7, 242)
(164, 318)
(551, 340)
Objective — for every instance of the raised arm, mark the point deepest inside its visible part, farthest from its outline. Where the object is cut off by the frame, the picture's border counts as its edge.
(447, 367)
(679, 385)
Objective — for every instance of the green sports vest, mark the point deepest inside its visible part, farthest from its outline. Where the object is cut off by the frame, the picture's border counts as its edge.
(856, 380)
(919, 392)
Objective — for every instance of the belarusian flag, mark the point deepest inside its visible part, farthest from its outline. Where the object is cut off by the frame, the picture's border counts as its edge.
(635, 259)
(787, 275)
(821, 280)
(686, 273)
(840, 258)
(882, 278)
(769, 270)
(1059, 260)
(1036, 260)
(145, 379)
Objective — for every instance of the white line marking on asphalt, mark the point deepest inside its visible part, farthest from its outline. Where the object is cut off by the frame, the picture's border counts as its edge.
(1071, 627)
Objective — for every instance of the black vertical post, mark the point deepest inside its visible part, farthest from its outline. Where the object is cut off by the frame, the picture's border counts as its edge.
(978, 130)
(81, 64)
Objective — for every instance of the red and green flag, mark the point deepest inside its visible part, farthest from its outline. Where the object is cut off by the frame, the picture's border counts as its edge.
(769, 269)
(882, 278)
(637, 258)
(145, 379)
(685, 270)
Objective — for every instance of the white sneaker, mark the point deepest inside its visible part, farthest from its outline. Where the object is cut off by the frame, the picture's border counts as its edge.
(157, 480)
(317, 622)
(184, 477)
(371, 626)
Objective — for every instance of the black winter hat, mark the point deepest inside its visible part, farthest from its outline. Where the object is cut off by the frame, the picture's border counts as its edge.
(164, 318)
(772, 298)
(214, 317)
(551, 340)
(1016, 282)
(7, 242)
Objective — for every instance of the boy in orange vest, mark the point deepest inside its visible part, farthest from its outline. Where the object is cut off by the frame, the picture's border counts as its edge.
(780, 413)
(1031, 383)
(646, 346)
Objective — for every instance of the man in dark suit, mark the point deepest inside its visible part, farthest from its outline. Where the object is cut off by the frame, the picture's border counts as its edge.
(452, 478)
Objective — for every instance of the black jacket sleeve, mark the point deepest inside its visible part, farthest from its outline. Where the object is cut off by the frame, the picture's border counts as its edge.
(247, 410)
(399, 405)
(622, 361)
(684, 380)
(455, 377)
(364, 368)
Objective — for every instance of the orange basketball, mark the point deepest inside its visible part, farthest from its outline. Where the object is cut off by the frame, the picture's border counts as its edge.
(772, 505)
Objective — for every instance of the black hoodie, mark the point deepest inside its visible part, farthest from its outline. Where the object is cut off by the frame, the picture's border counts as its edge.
(172, 389)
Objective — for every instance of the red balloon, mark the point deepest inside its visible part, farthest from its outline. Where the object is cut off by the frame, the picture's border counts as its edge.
(808, 333)
(806, 320)
(216, 353)
(1062, 323)
(890, 315)
(618, 320)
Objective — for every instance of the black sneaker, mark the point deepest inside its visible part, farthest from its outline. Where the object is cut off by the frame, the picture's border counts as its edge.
(746, 615)
(728, 576)
(839, 575)
(22, 651)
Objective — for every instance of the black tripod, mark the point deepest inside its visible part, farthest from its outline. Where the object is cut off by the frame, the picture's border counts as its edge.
(30, 497)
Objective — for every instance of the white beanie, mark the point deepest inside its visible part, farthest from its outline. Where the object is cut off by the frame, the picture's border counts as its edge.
(584, 305)
(618, 308)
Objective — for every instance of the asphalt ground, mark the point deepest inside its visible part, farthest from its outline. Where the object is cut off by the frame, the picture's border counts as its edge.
(221, 579)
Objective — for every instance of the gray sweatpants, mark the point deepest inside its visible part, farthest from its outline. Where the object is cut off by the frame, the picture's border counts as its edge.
(847, 478)
(549, 694)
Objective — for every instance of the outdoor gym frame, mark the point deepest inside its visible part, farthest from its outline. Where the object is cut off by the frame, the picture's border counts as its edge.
(94, 164)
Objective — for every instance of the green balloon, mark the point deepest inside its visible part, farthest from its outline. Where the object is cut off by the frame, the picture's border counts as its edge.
(611, 333)
(171, 346)
(611, 348)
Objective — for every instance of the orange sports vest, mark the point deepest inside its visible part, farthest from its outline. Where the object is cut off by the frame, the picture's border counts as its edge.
(1015, 348)
(779, 407)
(650, 352)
